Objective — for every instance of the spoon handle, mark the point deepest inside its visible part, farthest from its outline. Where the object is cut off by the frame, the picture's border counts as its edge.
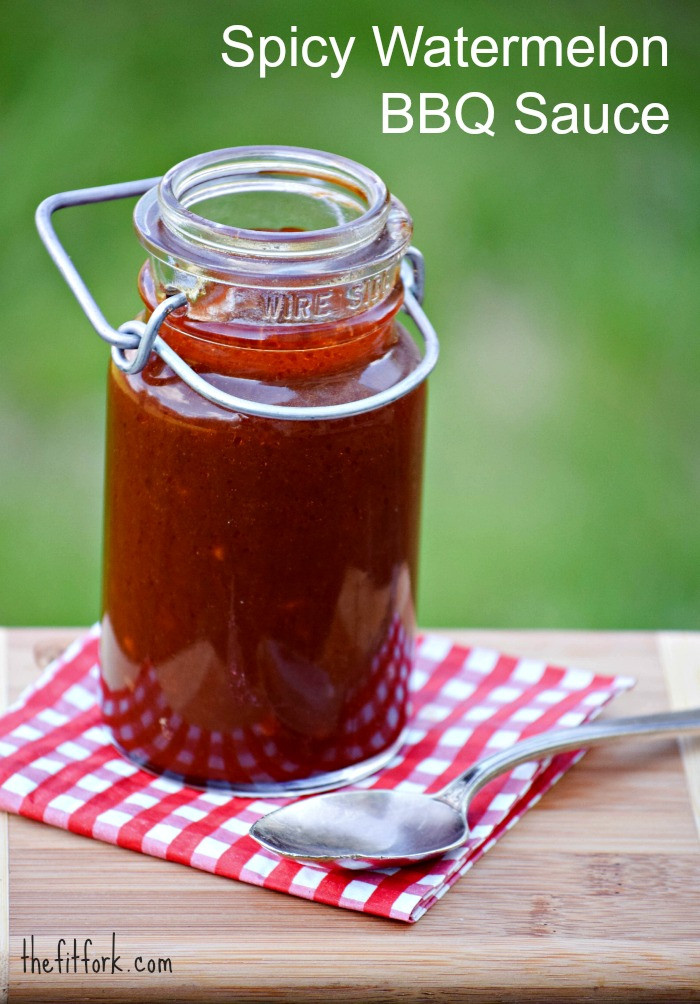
(459, 792)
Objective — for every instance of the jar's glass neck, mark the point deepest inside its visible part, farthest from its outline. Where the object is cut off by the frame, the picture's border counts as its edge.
(273, 235)
(277, 353)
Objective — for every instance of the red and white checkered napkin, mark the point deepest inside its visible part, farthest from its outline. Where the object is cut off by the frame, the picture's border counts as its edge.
(58, 766)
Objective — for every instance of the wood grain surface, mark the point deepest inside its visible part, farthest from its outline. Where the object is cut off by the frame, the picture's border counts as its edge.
(680, 658)
(594, 895)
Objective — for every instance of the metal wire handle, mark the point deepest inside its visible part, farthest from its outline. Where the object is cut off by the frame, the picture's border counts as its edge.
(145, 337)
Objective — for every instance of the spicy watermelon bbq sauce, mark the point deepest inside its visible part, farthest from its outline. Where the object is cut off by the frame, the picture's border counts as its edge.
(259, 573)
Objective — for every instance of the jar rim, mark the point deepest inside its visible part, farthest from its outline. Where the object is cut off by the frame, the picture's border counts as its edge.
(235, 169)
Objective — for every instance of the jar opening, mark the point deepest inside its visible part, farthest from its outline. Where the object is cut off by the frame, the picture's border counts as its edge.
(281, 202)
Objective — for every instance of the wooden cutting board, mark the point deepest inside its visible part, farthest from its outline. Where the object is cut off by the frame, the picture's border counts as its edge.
(594, 895)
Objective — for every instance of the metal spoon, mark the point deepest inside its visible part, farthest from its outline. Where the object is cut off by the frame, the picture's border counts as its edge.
(377, 828)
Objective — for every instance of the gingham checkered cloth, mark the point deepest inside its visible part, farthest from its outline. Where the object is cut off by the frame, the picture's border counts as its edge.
(59, 766)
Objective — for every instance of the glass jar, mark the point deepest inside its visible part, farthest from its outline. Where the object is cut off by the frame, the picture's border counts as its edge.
(263, 478)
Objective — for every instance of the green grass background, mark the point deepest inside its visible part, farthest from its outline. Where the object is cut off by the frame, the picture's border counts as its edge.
(563, 466)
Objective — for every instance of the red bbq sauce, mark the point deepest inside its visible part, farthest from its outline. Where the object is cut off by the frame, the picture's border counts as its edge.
(259, 574)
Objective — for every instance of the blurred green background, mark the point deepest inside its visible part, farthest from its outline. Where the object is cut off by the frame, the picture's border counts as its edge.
(563, 466)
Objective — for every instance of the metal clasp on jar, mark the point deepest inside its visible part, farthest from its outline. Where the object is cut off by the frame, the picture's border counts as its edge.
(145, 337)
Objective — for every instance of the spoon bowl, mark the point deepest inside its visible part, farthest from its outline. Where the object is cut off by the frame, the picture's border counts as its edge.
(380, 828)
(363, 829)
